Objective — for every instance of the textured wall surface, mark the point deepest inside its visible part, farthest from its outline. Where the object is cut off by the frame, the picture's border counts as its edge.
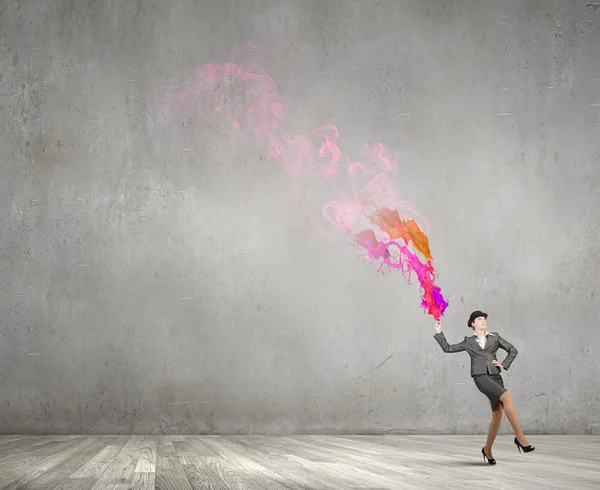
(156, 277)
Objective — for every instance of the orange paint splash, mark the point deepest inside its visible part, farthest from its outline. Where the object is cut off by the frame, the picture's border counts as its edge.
(390, 222)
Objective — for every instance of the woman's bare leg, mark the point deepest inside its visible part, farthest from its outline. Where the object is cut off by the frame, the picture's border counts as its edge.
(494, 428)
(511, 415)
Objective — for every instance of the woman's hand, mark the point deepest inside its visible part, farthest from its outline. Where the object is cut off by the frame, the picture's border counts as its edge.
(438, 326)
(497, 364)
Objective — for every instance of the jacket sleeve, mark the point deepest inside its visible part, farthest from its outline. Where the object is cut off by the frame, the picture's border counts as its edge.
(441, 339)
(511, 349)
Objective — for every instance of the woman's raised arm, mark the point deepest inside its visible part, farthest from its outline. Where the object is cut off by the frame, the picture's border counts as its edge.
(441, 339)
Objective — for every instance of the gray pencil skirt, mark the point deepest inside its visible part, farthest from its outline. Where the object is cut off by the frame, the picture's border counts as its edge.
(491, 385)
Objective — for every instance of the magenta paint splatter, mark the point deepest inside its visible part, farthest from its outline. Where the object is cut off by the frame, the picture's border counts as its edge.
(366, 205)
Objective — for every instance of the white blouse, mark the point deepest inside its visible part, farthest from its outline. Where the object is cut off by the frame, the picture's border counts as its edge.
(481, 340)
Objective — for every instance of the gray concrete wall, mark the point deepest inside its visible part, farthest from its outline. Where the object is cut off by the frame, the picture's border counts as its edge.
(157, 277)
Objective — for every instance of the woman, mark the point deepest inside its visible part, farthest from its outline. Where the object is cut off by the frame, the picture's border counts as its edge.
(485, 371)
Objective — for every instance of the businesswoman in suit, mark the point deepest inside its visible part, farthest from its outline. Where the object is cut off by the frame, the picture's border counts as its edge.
(485, 371)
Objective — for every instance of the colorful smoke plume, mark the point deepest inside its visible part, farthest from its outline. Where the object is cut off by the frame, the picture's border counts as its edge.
(365, 205)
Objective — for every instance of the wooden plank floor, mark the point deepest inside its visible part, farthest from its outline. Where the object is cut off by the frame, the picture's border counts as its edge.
(295, 462)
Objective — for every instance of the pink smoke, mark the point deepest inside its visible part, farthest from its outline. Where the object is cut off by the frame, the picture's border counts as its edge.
(249, 100)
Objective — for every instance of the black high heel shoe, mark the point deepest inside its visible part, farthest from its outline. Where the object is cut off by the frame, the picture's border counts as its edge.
(525, 449)
(490, 461)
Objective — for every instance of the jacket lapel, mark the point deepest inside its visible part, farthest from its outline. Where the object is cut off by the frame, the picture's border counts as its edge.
(474, 343)
(490, 342)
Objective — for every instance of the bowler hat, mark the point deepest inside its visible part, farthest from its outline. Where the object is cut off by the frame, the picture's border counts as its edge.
(475, 314)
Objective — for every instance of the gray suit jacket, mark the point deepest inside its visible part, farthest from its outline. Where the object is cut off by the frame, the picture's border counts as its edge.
(481, 359)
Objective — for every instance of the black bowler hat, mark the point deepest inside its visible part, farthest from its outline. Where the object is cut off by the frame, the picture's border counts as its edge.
(475, 314)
